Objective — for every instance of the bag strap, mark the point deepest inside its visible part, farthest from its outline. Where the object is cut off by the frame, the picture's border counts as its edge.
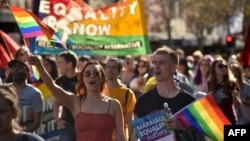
(126, 100)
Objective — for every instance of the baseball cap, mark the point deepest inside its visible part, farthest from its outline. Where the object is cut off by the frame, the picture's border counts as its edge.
(14, 63)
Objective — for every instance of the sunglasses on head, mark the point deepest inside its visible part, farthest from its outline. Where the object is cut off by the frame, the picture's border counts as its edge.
(222, 66)
(93, 73)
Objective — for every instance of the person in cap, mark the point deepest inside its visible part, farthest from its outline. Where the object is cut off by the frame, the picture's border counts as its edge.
(30, 97)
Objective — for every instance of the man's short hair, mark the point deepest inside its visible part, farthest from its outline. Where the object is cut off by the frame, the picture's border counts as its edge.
(117, 60)
(167, 50)
(14, 63)
(69, 57)
(84, 58)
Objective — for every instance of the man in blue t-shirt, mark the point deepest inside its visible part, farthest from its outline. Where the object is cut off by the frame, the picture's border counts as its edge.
(30, 98)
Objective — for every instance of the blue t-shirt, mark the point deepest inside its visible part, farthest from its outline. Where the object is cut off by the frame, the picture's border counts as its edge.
(31, 96)
(31, 101)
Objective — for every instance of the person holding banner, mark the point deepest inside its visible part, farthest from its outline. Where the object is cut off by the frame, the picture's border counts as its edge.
(165, 63)
(96, 115)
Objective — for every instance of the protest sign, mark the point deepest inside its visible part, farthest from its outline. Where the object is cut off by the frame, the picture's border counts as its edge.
(151, 127)
(48, 129)
(118, 29)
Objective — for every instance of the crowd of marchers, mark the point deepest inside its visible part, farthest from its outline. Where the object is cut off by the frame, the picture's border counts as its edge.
(100, 96)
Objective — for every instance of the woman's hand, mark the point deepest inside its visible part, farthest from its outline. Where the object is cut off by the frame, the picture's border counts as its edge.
(34, 60)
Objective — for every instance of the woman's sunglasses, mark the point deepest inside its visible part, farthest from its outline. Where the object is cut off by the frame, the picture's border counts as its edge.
(222, 66)
(94, 74)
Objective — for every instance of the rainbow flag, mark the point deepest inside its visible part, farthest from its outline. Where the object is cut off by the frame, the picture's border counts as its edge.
(27, 24)
(30, 26)
(103, 33)
(205, 116)
(35, 75)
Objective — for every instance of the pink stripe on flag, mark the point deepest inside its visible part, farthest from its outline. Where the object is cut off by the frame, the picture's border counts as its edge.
(33, 34)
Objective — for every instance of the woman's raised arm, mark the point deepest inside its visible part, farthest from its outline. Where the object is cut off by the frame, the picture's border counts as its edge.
(64, 97)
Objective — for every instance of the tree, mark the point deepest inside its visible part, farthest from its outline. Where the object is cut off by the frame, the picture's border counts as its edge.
(203, 15)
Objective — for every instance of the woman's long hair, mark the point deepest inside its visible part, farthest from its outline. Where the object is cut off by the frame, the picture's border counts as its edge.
(80, 86)
(197, 71)
(228, 78)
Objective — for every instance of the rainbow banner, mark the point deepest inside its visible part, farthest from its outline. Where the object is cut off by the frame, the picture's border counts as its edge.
(118, 29)
(205, 116)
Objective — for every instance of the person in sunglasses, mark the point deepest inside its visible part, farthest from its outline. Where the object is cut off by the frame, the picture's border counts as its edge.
(96, 115)
(223, 86)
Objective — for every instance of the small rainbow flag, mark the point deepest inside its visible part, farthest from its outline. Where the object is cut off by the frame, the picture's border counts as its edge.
(30, 26)
(35, 75)
(27, 24)
(205, 116)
